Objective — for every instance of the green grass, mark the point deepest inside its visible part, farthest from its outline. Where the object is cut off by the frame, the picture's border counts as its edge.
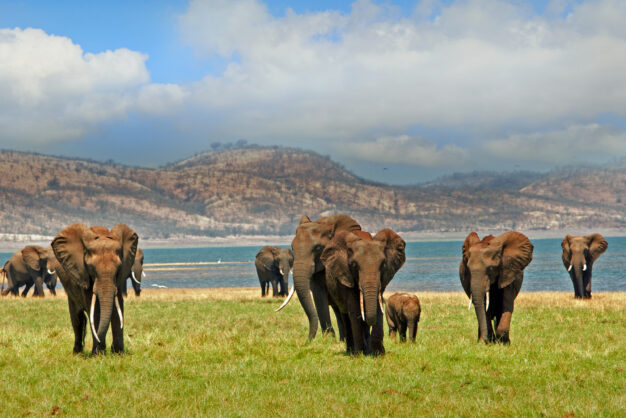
(227, 353)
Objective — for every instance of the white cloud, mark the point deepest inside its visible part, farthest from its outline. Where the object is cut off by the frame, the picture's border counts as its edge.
(52, 90)
(403, 149)
(576, 144)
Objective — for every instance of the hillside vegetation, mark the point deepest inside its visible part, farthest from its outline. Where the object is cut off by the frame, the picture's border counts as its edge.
(257, 190)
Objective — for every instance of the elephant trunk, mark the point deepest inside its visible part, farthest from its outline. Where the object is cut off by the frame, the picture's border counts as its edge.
(578, 280)
(370, 290)
(478, 299)
(302, 274)
(413, 330)
(106, 297)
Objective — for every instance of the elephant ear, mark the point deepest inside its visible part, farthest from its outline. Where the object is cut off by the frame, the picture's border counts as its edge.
(69, 250)
(395, 255)
(566, 255)
(335, 259)
(340, 223)
(129, 241)
(464, 272)
(517, 253)
(597, 246)
(32, 257)
(268, 256)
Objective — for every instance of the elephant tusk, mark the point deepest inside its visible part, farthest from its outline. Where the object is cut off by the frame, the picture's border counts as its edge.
(487, 307)
(282, 273)
(132, 274)
(293, 289)
(381, 300)
(119, 312)
(585, 267)
(469, 305)
(569, 268)
(93, 328)
(143, 274)
(362, 307)
(51, 272)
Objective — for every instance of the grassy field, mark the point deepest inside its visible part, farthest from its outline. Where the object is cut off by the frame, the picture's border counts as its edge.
(225, 352)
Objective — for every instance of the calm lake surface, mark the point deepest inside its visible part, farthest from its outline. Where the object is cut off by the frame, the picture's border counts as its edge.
(430, 266)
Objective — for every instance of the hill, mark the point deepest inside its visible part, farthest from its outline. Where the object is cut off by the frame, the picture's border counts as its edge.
(262, 190)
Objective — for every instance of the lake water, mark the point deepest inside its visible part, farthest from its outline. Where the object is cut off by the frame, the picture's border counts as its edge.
(430, 266)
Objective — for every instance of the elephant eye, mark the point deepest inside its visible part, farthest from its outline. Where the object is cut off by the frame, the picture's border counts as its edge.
(318, 248)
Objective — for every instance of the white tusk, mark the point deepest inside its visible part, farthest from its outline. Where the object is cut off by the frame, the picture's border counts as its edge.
(293, 289)
(585, 267)
(143, 274)
(93, 328)
(132, 274)
(119, 312)
(487, 307)
(569, 268)
(282, 273)
(51, 272)
(362, 307)
(381, 301)
(469, 305)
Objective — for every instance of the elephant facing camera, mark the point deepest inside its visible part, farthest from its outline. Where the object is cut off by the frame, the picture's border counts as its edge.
(403, 311)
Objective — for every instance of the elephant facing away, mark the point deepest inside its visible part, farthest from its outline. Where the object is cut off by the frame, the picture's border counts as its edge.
(579, 254)
(359, 267)
(402, 311)
(308, 271)
(93, 264)
(136, 275)
(27, 267)
(273, 265)
(495, 265)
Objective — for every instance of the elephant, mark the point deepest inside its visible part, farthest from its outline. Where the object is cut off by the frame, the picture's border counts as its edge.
(273, 265)
(27, 267)
(495, 265)
(403, 311)
(93, 264)
(136, 274)
(579, 254)
(359, 267)
(308, 271)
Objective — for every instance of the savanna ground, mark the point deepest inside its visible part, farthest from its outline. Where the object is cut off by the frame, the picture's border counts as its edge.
(225, 352)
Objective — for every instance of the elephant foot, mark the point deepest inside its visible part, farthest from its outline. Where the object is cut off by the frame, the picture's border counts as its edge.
(77, 349)
(378, 351)
(504, 338)
(117, 350)
(329, 331)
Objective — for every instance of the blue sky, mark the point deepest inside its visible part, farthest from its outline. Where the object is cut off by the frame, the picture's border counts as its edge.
(421, 88)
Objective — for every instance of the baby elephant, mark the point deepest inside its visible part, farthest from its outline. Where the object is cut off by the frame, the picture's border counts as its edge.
(403, 311)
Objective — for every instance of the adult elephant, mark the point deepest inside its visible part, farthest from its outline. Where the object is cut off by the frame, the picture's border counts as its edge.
(579, 254)
(359, 267)
(273, 265)
(495, 265)
(136, 274)
(93, 264)
(308, 271)
(28, 267)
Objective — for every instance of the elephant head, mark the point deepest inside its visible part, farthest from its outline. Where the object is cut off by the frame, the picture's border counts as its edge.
(51, 276)
(579, 254)
(136, 273)
(356, 260)
(310, 240)
(498, 261)
(98, 261)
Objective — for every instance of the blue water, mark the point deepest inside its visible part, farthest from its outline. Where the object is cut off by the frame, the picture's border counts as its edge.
(430, 266)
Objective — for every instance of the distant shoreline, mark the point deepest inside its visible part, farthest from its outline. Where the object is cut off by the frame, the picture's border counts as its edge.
(260, 240)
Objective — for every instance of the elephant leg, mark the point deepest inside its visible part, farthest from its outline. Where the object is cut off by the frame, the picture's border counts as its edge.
(39, 286)
(356, 325)
(320, 298)
(340, 323)
(79, 322)
(504, 325)
(376, 338)
(117, 346)
(413, 330)
(587, 282)
(274, 288)
(125, 287)
(27, 288)
(345, 319)
(402, 332)
(262, 288)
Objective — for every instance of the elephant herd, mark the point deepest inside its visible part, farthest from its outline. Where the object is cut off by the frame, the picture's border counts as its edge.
(337, 265)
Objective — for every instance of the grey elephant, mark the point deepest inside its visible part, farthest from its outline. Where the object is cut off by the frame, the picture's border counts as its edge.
(308, 271)
(579, 254)
(30, 266)
(403, 311)
(359, 268)
(93, 264)
(273, 265)
(136, 275)
(495, 265)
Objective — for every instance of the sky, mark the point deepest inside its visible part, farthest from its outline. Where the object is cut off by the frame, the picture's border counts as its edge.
(396, 91)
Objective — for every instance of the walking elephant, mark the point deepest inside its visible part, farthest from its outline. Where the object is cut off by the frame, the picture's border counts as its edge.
(136, 274)
(495, 265)
(93, 264)
(359, 267)
(273, 265)
(308, 271)
(27, 267)
(402, 311)
(579, 254)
